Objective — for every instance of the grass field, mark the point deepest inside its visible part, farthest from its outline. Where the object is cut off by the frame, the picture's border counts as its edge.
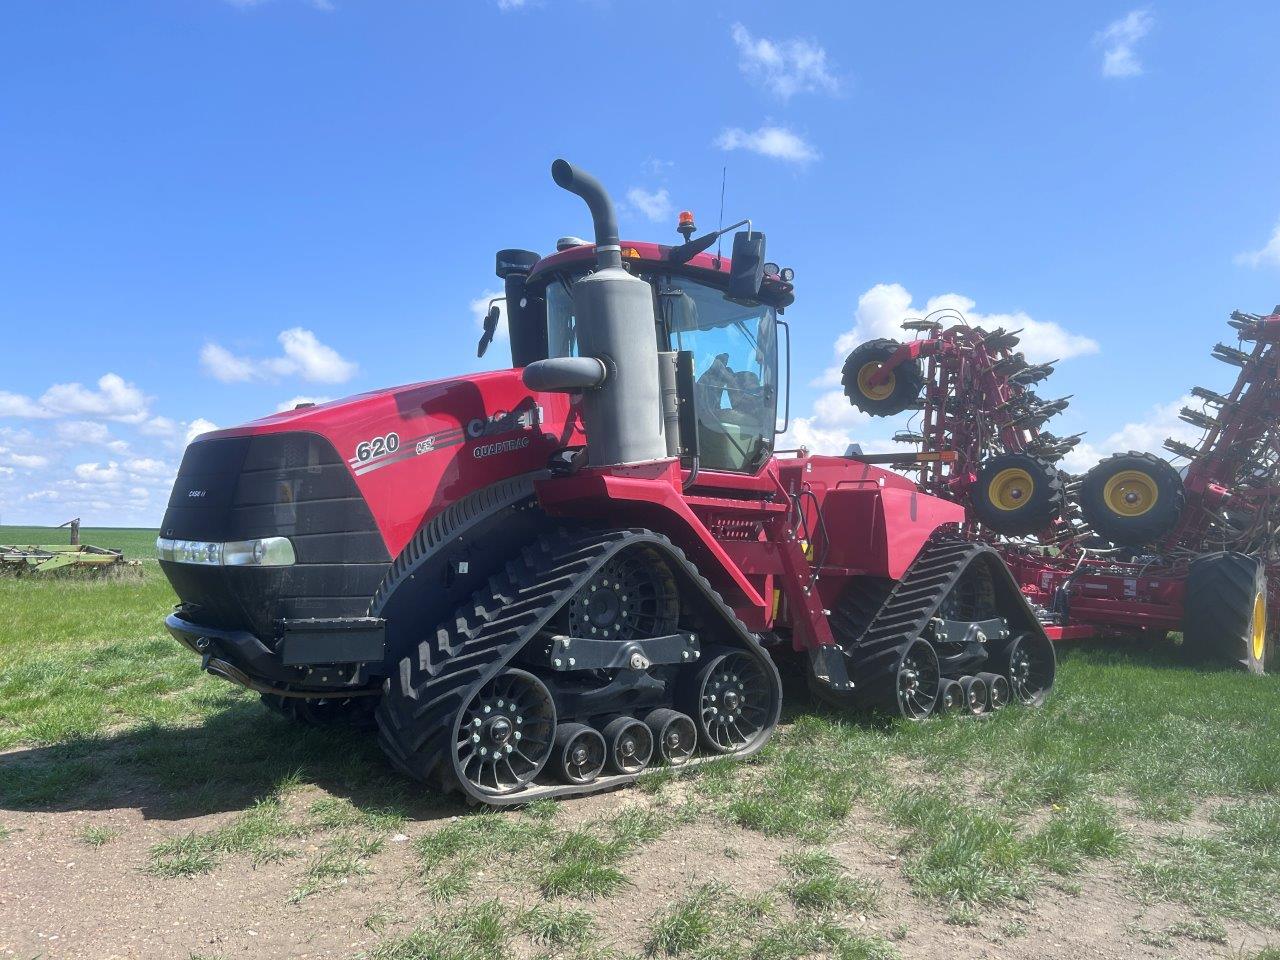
(1136, 814)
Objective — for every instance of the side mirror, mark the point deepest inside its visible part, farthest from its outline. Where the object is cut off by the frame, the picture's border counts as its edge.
(490, 328)
(748, 265)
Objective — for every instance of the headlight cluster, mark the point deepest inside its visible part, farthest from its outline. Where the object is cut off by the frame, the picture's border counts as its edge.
(265, 552)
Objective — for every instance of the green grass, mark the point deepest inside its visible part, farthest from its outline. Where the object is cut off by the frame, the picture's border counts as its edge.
(101, 709)
(715, 923)
(98, 836)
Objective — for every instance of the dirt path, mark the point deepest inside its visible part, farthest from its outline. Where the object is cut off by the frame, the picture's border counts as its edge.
(61, 897)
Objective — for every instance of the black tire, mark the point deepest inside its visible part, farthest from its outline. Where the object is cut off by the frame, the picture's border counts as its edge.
(1132, 499)
(1224, 614)
(998, 691)
(630, 744)
(859, 602)
(974, 696)
(674, 735)
(1017, 494)
(903, 388)
(950, 696)
(579, 753)
(356, 712)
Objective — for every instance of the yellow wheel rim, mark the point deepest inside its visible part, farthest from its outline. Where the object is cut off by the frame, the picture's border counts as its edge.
(1011, 489)
(1130, 493)
(1260, 625)
(872, 391)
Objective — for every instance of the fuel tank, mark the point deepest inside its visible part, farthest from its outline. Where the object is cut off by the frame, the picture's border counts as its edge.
(330, 494)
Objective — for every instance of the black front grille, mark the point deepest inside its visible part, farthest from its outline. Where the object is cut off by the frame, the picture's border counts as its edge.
(275, 485)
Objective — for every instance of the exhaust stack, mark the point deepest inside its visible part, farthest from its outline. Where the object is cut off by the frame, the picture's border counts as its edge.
(621, 402)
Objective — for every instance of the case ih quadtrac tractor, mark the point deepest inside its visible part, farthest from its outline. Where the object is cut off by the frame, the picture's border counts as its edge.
(542, 580)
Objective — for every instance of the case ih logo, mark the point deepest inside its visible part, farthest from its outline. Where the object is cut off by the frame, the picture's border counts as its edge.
(528, 416)
(525, 419)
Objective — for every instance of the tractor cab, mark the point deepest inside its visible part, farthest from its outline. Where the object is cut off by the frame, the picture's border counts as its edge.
(731, 338)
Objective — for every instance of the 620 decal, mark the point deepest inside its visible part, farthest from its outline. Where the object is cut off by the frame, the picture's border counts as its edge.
(368, 450)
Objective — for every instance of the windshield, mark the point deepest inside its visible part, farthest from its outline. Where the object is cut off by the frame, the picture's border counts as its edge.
(734, 347)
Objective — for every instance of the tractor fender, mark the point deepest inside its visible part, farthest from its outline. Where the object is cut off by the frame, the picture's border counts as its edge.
(453, 554)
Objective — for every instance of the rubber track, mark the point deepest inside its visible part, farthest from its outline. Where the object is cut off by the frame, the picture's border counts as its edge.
(873, 659)
(419, 709)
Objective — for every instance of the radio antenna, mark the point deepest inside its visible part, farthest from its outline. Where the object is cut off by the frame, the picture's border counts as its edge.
(724, 175)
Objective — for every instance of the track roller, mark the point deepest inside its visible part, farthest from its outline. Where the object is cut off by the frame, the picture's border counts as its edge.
(629, 744)
(950, 697)
(674, 735)
(579, 753)
(998, 692)
(973, 695)
(886, 399)
(734, 703)
(1132, 499)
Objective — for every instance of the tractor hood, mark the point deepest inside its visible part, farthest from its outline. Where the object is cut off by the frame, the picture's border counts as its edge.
(407, 451)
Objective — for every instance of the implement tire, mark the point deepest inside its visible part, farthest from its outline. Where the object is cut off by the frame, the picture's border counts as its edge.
(1017, 494)
(1224, 618)
(1132, 499)
(890, 398)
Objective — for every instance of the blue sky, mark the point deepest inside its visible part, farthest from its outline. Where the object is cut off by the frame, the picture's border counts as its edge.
(211, 208)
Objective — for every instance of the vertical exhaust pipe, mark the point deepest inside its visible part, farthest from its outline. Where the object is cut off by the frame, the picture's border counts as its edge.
(621, 395)
(603, 218)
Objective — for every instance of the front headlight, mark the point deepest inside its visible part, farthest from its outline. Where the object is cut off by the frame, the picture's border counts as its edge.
(264, 552)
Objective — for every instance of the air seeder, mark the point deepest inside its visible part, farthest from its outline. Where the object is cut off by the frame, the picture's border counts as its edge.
(1133, 546)
(540, 581)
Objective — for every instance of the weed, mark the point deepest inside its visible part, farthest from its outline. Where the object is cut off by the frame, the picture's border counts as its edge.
(818, 882)
(557, 926)
(98, 836)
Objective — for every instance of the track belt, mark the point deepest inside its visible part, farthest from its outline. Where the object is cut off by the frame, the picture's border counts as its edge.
(912, 604)
(419, 713)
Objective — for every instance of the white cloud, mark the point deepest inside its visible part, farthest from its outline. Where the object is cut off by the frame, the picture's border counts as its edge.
(16, 405)
(27, 461)
(115, 399)
(91, 432)
(148, 467)
(783, 67)
(1268, 255)
(158, 427)
(1118, 41)
(882, 309)
(775, 142)
(655, 205)
(505, 5)
(304, 356)
(480, 309)
(834, 423)
(1146, 435)
(294, 401)
(198, 426)
(97, 473)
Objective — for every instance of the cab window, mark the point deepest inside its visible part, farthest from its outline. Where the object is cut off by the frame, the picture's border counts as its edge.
(735, 363)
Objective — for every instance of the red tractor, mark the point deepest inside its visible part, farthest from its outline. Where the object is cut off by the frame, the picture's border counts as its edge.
(1135, 545)
(541, 580)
